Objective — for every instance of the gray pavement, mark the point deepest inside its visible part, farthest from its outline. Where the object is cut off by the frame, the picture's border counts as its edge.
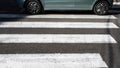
(110, 52)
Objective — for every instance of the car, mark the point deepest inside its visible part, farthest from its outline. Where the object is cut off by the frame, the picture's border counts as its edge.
(99, 7)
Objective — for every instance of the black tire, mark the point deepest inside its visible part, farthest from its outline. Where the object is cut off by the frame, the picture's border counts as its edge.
(101, 8)
(33, 7)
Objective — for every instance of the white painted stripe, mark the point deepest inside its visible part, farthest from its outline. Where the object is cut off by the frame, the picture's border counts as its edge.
(58, 25)
(86, 60)
(56, 38)
(116, 3)
(59, 16)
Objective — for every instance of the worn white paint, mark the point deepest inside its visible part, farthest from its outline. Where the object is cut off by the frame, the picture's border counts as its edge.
(58, 25)
(56, 38)
(59, 16)
(86, 60)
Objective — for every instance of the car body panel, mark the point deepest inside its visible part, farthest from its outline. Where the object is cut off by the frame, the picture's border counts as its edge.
(66, 4)
(59, 4)
(84, 4)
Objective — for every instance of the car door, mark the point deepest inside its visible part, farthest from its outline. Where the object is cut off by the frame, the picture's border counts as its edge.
(59, 4)
(84, 4)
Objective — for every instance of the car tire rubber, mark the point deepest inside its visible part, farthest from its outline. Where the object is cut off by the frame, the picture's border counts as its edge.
(101, 8)
(33, 7)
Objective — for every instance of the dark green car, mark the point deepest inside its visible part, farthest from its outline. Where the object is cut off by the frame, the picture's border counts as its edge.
(99, 7)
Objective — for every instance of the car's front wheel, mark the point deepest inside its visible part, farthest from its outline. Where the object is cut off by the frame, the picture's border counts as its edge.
(101, 8)
(33, 7)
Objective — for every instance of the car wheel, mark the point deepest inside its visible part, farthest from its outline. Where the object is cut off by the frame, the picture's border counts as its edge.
(33, 6)
(101, 8)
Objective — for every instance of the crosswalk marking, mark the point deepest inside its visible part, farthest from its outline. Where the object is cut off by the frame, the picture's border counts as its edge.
(58, 25)
(86, 60)
(60, 16)
(56, 38)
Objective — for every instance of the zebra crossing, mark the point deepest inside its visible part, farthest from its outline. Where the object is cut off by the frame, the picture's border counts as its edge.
(52, 61)
(58, 25)
(59, 60)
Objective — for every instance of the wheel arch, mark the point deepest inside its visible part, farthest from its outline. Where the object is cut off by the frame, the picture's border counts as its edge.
(37, 0)
(101, 0)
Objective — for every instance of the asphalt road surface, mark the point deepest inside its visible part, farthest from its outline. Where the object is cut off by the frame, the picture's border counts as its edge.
(60, 39)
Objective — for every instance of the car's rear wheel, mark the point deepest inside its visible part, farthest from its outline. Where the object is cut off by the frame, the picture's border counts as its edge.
(33, 6)
(101, 8)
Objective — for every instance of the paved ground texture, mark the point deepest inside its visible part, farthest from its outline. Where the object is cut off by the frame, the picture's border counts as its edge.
(60, 39)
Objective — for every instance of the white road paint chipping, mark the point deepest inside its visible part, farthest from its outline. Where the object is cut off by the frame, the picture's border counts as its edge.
(59, 16)
(86, 60)
(56, 38)
(58, 25)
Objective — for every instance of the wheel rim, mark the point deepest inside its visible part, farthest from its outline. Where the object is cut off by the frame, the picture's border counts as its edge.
(33, 7)
(102, 8)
